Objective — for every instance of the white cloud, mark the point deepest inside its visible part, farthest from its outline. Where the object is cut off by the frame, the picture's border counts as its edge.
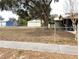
(62, 7)
(57, 7)
(8, 14)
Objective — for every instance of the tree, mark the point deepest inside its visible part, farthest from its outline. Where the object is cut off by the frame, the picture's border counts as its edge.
(29, 8)
(73, 11)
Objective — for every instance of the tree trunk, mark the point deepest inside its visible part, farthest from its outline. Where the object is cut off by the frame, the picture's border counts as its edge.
(74, 26)
(73, 23)
(46, 21)
(46, 24)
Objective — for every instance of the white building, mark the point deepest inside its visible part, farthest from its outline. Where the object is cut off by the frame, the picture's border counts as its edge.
(34, 23)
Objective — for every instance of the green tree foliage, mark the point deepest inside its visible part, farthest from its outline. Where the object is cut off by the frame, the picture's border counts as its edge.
(22, 22)
(29, 8)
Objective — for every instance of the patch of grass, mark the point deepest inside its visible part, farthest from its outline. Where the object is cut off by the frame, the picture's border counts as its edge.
(40, 35)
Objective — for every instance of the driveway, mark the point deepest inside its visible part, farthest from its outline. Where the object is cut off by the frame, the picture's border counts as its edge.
(52, 48)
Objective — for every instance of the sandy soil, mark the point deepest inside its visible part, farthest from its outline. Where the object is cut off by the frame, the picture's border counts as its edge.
(37, 35)
(19, 54)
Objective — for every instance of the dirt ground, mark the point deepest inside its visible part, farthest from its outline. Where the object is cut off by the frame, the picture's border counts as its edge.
(20, 54)
(41, 35)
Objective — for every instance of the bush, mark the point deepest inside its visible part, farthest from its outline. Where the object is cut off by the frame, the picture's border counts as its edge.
(22, 22)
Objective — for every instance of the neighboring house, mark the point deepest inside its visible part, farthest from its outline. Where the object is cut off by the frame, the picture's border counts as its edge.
(9, 22)
(34, 23)
(68, 22)
(63, 8)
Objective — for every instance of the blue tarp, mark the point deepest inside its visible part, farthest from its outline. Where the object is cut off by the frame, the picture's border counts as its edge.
(9, 23)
